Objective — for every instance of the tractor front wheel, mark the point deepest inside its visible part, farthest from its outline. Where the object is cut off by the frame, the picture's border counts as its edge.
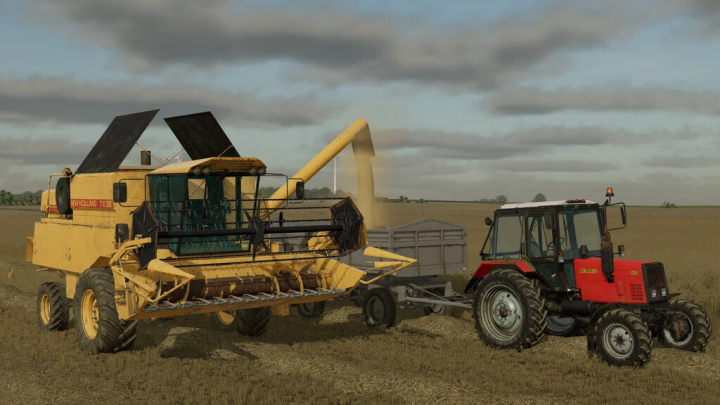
(509, 310)
(99, 329)
(686, 327)
(621, 338)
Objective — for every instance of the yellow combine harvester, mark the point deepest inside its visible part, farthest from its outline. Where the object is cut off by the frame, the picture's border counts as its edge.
(145, 242)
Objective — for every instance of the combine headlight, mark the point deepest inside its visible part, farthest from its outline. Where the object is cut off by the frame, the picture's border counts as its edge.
(261, 171)
(253, 171)
(197, 171)
(206, 171)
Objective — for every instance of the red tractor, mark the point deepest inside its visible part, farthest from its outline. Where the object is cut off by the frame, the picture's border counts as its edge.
(551, 268)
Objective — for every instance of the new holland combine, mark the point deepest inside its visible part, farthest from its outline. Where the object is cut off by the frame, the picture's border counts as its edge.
(145, 242)
(550, 267)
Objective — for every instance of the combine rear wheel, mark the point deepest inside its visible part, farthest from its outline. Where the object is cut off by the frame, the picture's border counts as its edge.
(509, 310)
(252, 322)
(98, 327)
(224, 321)
(621, 338)
(311, 309)
(379, 308)
(686, 327)
(53, 307)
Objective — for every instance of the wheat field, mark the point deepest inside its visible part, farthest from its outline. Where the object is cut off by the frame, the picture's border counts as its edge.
(336, 359)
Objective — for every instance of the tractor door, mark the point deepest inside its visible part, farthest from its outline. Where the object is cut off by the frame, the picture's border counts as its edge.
(541, 249)
(577, 228)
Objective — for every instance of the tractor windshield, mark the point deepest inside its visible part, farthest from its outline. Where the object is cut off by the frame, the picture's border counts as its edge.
(507, 236)
(188, 203)
(577, 228)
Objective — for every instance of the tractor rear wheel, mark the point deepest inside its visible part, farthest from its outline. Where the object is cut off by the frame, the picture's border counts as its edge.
(99, 329)
(564, 326)
(686, 327)
(311, 309)
(509, 310)
(53, 307)
(379, 308)
(252, 322)
(224, 321)
(621, 338)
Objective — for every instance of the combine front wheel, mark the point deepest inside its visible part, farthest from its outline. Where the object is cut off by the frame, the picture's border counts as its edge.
(224, 321)
(508, 310)
(686, 327)
(99, 329)
(53, 307)
(621, 338)
(252, 322)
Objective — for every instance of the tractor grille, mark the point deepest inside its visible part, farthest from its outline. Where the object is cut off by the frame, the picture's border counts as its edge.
(636, 292)
(655, 285)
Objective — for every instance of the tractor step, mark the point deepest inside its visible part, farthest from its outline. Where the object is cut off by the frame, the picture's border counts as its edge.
(244, 299)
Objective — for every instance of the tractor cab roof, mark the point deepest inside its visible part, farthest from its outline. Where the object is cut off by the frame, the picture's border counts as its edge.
(545, 205)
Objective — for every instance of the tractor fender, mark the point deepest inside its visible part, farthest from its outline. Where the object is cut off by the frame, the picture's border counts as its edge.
(486, 267)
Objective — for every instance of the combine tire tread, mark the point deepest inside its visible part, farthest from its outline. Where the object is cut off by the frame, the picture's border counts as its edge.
(113, 334)
(530, 293)
(252, 322)
(59, 307)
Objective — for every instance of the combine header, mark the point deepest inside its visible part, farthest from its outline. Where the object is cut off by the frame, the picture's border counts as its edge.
(143, 242)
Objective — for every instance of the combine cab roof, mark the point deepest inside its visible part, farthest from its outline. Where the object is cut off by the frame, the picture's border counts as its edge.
(233, 165)
(544, 204)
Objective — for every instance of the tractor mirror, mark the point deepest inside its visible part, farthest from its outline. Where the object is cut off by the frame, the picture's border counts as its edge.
(300, 190)
(119, 192)
(549, 220)
(488, 221)
(622, 213)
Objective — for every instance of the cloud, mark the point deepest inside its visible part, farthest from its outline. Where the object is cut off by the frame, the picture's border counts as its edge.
(53, 151)
(682, 162)
(68, 101)
(336, 45)
(535, 101)
(571, 166)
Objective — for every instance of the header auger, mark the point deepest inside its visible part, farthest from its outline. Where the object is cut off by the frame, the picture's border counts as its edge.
(143, 242)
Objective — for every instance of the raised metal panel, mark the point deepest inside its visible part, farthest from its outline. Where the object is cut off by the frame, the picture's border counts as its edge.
(115, 144)
(201, 136)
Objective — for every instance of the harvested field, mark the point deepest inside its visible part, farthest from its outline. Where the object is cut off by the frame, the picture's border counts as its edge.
(336, 359)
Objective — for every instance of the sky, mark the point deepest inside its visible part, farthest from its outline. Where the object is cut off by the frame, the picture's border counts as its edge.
(465, 99)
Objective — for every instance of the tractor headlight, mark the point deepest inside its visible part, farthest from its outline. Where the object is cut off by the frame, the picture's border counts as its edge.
(653, 293)
(663, 292)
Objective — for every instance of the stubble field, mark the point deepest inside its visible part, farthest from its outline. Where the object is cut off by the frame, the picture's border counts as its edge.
(336, 359)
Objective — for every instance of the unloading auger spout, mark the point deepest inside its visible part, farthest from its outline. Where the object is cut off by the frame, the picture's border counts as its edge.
(357, 134)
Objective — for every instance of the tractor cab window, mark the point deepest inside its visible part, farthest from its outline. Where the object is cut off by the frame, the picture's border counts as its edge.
(539, 238)
(195, 203)
(577, 228)
(507, 236)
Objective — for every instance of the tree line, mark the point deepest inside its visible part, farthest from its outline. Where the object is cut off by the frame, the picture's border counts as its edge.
(26, 198)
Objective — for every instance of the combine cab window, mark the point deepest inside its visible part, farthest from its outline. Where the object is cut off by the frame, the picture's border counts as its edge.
(202, 203)
(577, 228)
(507, 237)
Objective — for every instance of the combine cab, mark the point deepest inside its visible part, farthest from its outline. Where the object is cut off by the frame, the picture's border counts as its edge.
(144, 242)
(550, 268)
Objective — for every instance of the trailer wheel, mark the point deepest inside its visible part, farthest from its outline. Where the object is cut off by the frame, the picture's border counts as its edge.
(99, 329)
(509, 310)
(621, 338)
(687, 327)
(379, 308)
(53, 307)
(437, 309)
(564, 326)
(311, 309)
(252, 322)
(224, 321)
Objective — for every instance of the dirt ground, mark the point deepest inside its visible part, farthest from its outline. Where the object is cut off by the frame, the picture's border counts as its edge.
(336, 359)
